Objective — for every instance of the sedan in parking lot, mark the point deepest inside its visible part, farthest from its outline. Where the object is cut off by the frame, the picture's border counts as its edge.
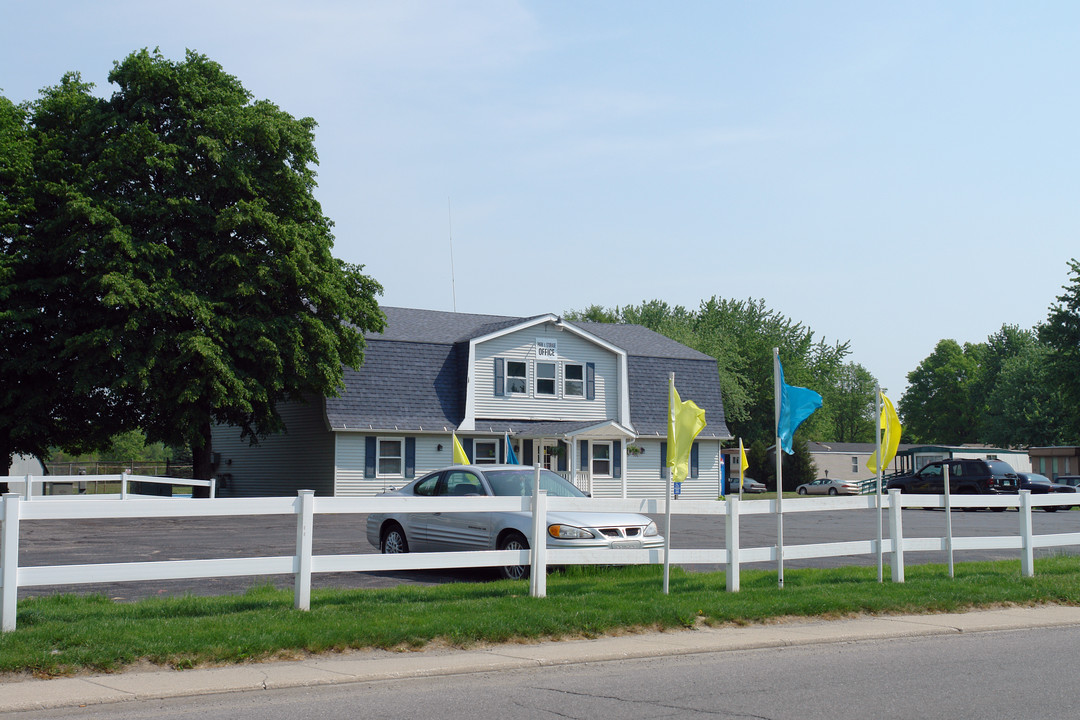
(486, 530)
(828, 486)
(750, 485)
(1037, 484)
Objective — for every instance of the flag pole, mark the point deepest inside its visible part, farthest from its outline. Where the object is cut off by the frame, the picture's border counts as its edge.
(742, 468)
(879, 463)
(779, 473)
(667, 511)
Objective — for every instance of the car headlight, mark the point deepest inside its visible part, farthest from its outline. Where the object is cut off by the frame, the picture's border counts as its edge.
(651, 531)
(569, 532)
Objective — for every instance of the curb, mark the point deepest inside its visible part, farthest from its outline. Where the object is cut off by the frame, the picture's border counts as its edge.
(372, 665)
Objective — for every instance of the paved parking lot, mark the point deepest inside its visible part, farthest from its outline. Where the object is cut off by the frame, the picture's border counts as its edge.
(96, 541)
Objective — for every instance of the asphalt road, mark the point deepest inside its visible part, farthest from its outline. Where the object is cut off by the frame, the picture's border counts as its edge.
(96, 541)
(967, 676)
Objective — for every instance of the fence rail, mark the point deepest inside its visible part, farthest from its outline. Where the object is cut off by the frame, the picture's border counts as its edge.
(45, 487)
(15, 509)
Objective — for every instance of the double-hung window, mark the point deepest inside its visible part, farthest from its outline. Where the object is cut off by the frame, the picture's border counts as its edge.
(545, 378)
(601, 459)
(485, 452)
(854, 464)
(391, 457)
(573, 380)
(516, 374)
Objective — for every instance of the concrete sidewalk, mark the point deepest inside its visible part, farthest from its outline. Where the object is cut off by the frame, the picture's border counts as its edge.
(369, 665)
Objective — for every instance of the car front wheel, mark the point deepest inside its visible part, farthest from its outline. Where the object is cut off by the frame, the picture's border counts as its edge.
(802, 491)
(514, 541)
(394, 541)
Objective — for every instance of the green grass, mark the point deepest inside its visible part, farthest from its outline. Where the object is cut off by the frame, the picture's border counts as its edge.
(66, 634)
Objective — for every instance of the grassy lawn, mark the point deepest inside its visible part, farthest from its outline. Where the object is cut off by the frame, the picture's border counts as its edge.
(66, 634)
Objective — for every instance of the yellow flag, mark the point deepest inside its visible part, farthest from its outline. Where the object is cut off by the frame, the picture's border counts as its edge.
(890, 435)
(685, 421)
(460, 458)
(743, 463)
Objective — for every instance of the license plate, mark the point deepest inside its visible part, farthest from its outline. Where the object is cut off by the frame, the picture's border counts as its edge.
(624, 544)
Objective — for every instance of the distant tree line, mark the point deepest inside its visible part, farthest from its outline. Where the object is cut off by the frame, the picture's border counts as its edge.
(1019, 388)
(741, 335)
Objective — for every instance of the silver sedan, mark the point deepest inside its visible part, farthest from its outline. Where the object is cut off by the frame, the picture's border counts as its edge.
(480, 530)
(829, 486)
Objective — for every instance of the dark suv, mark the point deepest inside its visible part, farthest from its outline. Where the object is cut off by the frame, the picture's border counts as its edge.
(966, 477)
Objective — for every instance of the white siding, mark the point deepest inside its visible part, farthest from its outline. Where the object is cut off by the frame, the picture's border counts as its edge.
(349, 480)
(521, 346)
(644, 480)
(300, 459)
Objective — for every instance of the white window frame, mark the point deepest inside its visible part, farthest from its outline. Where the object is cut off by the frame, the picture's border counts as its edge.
(610, 459)
(854, 464)
(478, 459)
(524, 377)
(554, 379)
(379, 457)
(566, 380)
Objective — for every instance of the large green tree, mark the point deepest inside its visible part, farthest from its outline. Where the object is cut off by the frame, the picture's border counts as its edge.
(850, 403)
(178, 254)
(938, 405)
(1061, 333)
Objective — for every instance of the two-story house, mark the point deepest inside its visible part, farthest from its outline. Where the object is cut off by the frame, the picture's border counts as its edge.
(586, 400)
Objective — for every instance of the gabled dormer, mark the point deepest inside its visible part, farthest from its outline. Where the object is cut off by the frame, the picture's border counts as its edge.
(545, 369)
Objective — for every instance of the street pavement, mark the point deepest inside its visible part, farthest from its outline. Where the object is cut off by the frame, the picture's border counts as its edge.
(24, 694)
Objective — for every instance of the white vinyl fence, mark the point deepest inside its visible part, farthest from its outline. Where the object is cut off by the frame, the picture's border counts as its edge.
(306, 506)
(50, 487)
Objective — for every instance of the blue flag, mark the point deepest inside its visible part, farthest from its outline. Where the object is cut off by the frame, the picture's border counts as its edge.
(511, 456)
(796, 404)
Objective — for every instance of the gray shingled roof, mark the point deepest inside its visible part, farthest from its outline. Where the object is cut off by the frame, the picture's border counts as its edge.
(414, 375)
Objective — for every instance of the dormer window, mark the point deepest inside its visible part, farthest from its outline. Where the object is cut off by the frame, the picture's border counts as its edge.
(573, 380)
(516, 377)
(545, 378)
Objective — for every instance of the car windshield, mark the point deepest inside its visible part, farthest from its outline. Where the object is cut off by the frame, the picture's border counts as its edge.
(519, 483)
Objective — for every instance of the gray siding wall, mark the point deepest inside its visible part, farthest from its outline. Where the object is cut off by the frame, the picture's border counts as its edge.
(300, 459)
(571, 349)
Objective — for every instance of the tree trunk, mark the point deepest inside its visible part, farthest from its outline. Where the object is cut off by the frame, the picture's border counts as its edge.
(6, 459)
(202, 461)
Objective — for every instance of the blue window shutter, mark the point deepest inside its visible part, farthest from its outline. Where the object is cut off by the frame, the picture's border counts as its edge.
(616, 459)
(369, 456)
(466, 445)
(527, 453)
(590, 381)
(410, 457)
(584, 462)
(694, 460)
(663, 460)
(562, 456)
(500, 376)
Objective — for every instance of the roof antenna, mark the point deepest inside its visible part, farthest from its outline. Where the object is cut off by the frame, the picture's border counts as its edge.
(450, 227)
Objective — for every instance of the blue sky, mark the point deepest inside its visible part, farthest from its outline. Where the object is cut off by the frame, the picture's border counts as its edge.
(886, 173)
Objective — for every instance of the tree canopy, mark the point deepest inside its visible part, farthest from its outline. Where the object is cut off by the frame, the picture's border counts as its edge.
(741, 335)
(1019, 388)
(176, 256)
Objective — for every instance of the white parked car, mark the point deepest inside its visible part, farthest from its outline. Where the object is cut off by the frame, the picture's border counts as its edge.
(487, 530)
(750, 485)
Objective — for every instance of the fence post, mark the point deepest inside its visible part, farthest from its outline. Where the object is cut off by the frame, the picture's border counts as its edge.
(1027, 555)
(896, 533)
(213, 488)
(9, 562)
(732, 542)
(305, 516)
(538, 573)
(28, 488)
(123, 486)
